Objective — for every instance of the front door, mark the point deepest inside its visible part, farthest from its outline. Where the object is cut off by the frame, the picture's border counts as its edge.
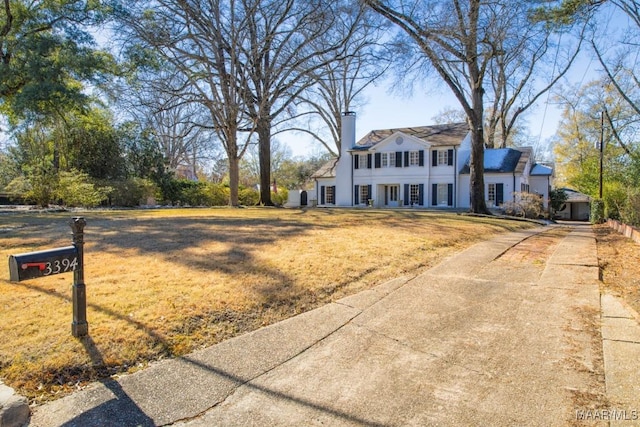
(391, 195)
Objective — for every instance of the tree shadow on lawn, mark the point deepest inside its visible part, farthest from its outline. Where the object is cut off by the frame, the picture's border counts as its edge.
(159, 235)
(184, 241)
(122, 410)
(177, 239)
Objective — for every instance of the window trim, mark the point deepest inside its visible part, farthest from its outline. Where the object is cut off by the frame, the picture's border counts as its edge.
(414, 158)
(362, 161)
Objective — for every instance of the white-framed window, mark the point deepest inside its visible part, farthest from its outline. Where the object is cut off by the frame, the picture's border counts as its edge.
(364, 194)
(362, 159)
(329, 195)
(384, 158)
(414, 194)
(443, 157)
(414, 158)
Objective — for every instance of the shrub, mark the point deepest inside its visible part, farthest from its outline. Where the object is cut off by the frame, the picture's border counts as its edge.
(630, 211)
(248, 196)
(614, 197)
(191, 193)
(38, 185)
(597, 211)
(131, 192)
(557, 199)
(216, 194)
(525, 205)
(76, 189)
(281, 197)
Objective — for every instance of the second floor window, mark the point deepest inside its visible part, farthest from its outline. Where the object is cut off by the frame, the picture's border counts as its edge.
(443, 158)
(414, 158)
(362, 158)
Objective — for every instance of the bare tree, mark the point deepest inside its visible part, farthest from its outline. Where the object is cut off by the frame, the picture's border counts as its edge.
(526, 66)
(179, 127)
(199, 39)
(467, 43)
(452, 37)
(339, 84)
(288, 42)
(617, 51)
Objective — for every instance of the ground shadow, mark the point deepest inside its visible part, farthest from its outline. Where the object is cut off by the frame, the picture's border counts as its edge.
(120, 411)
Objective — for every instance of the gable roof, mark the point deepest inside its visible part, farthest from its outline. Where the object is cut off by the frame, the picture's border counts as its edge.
(437, 135)
(328, 170)
(574, 196)
(543, 170)
(501, 160)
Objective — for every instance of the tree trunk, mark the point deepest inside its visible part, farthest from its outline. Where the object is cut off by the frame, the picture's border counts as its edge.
(476, 165)
(234, 179)
(264, 154)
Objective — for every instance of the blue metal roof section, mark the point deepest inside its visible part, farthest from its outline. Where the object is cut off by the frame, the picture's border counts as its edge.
(543, 170)
(500, 160)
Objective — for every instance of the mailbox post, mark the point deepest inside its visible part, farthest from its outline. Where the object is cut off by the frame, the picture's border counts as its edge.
(59, 260)
(79, 327)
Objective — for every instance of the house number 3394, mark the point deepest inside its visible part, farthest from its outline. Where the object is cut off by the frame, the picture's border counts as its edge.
(60, 266)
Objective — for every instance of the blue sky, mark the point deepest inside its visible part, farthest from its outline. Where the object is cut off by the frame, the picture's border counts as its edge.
(385, 110)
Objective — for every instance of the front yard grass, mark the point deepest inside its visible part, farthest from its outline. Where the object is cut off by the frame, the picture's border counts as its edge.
(162, 283)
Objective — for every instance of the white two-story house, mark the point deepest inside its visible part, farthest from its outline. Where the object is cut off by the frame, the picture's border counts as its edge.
(423, 166)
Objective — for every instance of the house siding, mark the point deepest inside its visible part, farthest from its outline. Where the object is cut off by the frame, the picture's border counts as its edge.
(401, 169)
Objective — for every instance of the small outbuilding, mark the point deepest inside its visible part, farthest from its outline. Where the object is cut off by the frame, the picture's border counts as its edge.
(577, 207)
(301, 199)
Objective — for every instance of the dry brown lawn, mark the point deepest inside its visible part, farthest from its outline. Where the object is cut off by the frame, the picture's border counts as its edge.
(162, 283)
(619, 260)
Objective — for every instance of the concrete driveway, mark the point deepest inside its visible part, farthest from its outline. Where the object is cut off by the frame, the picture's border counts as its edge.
(505, 333)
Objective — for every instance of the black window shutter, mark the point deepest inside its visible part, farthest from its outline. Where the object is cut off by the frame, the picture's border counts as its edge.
(421, 158)
(369, 193)
(356, 195)
(406, 159)
(434, 157)
(378, 160)
(499, 194)
(421, 194)
(434, 194)
(322, 195)
(369, 161)
(356, 161)
(450, 194)
(406, 194)
(398, 159)
(450, 158)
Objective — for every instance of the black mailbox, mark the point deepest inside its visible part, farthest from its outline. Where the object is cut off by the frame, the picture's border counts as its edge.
(43, 263)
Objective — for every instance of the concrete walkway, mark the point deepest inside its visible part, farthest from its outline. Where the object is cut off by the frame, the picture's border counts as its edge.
(475, 340)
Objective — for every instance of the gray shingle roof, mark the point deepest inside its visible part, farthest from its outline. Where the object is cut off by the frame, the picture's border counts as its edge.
(574, 196)
(327, 170)
(437, 135)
